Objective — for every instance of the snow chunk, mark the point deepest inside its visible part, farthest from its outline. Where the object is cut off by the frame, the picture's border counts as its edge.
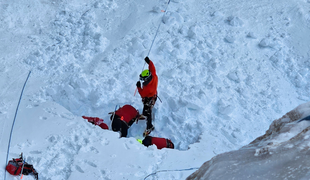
(277, 58)
(192, 32)
(172, 18)
(233, 76)
(109, 5)
(251, 35)
(269, 43)
(230, 39)
(234, 21)
(225, 108)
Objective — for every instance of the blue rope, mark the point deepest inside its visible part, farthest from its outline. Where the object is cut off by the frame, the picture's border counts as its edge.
(170, 170)
(7, 156)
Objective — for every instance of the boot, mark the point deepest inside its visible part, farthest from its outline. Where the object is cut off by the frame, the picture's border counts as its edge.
(148, 131)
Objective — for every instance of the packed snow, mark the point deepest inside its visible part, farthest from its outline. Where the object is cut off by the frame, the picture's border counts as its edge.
(226, 70)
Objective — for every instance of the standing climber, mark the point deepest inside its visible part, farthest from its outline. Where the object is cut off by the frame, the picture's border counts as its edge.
(123, 118)
(148, 93)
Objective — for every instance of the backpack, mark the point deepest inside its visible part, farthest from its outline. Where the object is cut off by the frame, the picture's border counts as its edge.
(18, 166)
(14, 167)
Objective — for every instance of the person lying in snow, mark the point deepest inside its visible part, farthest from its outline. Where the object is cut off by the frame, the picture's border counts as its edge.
(159, 142)
(96, 121)
(123, 118)
(148, 93)
(18, 167)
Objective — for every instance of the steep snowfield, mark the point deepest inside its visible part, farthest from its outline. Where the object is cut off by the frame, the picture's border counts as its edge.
(226, 70)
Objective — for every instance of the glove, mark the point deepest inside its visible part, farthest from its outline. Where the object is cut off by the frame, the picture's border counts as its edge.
(147, 60)
(138, 84)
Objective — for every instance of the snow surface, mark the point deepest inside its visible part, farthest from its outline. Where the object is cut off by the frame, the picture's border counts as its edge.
(226, 70)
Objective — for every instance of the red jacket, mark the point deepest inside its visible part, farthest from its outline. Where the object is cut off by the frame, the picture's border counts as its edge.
(159, 142)
(151, 88)
(162, 143)
(127, 113)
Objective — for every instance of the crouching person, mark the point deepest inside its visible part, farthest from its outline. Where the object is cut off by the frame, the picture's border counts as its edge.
(18, 166)
(123, 118)
(159, 142)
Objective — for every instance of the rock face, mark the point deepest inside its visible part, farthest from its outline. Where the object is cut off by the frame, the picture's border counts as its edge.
(283, 152)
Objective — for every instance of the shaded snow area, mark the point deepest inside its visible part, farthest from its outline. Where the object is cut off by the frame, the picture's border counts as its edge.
(281, 153)
(226, 70)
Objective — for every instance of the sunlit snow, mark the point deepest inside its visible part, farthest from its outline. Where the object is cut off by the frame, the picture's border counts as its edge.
(226, 70)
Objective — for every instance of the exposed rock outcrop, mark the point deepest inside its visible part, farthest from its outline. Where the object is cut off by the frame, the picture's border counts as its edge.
(283, 152)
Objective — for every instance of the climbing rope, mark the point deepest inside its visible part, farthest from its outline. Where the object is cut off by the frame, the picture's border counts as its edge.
(170, 170)
(158, 28)
(156, 33)
(7, 156)
(155, 37)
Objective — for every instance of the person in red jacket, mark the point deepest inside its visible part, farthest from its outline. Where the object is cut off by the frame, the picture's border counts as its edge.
(123, 118)
(159, 142)
(96, 121)
(148, 93)
(18, 166)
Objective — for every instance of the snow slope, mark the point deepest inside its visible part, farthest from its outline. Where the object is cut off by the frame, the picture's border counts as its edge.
(226, 70)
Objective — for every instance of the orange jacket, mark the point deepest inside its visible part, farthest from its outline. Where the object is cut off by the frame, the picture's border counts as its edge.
(150, 89)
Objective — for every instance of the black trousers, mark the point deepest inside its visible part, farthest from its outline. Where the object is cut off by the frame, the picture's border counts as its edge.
(148, 104)
(122, 126)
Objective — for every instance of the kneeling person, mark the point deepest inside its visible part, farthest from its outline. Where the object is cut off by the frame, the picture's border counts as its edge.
(123, 118)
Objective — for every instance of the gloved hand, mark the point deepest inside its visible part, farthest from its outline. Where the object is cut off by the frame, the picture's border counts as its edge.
(147, 60)
(138, 84)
